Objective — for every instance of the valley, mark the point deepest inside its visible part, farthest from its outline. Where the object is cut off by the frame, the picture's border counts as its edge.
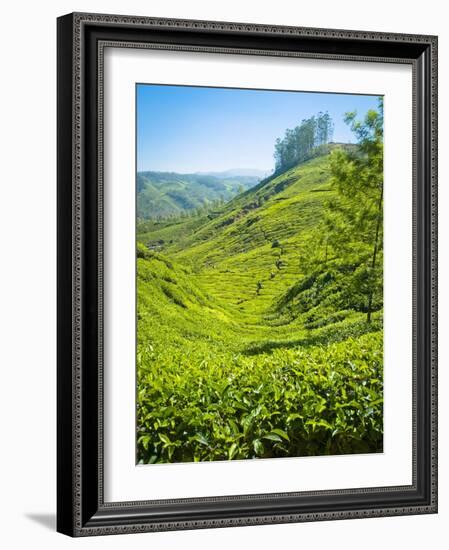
(257, 336)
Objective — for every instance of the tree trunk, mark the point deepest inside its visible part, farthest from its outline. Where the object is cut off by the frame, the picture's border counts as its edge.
(375, 249)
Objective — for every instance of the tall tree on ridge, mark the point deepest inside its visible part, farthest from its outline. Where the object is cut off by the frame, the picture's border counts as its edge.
(354, 220)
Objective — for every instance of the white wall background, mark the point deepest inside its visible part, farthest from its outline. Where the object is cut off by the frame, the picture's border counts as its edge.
(27, 273)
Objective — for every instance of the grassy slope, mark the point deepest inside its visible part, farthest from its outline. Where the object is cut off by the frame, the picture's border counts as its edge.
(200, 313)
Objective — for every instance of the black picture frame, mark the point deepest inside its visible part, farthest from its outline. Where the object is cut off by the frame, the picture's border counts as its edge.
(81, 510)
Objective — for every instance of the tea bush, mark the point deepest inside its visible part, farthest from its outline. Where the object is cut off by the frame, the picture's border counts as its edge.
(294, 402)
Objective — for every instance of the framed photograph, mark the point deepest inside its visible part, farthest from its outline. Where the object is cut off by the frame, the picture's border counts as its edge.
(247, 247)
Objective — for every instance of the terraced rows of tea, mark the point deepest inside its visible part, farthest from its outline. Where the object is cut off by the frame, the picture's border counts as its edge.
(245, 350)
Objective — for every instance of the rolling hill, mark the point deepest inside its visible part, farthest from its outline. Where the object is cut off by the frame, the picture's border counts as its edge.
(163, 194)
(253, 350)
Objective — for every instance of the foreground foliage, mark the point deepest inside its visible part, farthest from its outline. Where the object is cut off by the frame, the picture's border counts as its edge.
(301, 402)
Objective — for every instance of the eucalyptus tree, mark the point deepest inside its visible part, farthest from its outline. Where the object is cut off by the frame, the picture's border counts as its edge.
(302, 142)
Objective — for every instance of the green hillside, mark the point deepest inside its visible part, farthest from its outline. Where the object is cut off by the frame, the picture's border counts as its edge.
(259, 332)
(163, 194)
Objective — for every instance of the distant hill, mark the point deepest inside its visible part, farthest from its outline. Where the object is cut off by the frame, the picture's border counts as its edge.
(164, 194)
(238, 172)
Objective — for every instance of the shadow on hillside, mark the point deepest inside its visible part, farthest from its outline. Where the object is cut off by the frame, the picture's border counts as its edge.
(331, 334)
(267, 347)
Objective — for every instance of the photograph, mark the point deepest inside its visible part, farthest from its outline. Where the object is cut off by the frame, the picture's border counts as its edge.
(246, 273)
(259, 273)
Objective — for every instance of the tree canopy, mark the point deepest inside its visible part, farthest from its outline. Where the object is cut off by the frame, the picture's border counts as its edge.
(303, 142)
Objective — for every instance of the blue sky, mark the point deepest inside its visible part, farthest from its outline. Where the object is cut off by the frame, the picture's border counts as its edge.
(194, 129)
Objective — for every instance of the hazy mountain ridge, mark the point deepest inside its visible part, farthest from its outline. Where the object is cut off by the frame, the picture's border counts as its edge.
(238, 172)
